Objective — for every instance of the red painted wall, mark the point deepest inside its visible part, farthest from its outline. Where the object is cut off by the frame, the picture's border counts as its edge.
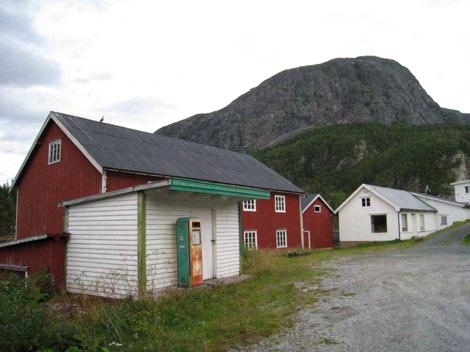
(266, 221)
(118, 180)
(43, 186)
(48, 254)
(320, 226)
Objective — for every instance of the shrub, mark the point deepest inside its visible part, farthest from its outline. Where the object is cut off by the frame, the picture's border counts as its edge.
(25, 321)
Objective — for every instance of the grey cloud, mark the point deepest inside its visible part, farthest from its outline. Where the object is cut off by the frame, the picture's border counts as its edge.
(140, 105)
(22, 67)
(21, 63)
(18, 25)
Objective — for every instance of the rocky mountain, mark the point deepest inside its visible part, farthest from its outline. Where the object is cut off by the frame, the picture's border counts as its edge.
(340, 91)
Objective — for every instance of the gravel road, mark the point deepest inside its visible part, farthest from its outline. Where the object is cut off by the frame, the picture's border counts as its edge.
(415, 299)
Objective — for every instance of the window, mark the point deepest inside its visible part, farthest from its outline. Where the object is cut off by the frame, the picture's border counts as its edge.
(317, 208)
(366, 202)
(250, 239)
(281, 238)
(404, 222)
(249, 205)
(467, 189)
(54, 152)
(422, 226)
(280, 204)
(378, 223)
(443, 220)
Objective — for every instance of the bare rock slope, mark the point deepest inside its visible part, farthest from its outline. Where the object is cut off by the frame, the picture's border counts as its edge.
(340, 91)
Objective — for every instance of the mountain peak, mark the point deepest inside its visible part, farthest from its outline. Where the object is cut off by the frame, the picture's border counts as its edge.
(339, 91)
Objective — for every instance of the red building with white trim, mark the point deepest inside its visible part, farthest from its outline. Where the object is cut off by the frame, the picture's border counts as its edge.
(272, 223)
(317, 218)
(74, 157)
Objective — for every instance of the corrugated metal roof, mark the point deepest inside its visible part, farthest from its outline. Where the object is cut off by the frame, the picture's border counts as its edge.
(120, 148)
(440, 199)
(305, 201)
(403, 199)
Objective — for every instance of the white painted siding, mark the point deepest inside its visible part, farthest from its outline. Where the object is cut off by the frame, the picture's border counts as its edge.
(102, 250)
(355, 223)
(453, 212)
(460, 194)
(162, 212)
(227, 240)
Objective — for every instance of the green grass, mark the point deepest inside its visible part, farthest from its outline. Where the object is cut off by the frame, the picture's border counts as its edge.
(212, 319)
(466, 240)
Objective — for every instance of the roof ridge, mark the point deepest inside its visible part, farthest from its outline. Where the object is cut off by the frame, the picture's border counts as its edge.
(151, 134)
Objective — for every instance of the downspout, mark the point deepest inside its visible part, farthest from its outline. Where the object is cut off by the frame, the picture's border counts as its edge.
(240, 230)
(301, 224)
(399, 227)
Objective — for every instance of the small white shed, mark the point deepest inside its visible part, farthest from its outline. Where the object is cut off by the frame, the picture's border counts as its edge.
(123, 243)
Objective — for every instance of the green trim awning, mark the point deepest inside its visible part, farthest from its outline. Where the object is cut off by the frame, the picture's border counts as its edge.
(179, 184)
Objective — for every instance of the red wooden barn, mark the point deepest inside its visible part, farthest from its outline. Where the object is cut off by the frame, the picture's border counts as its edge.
(74, 157)
(317, 218)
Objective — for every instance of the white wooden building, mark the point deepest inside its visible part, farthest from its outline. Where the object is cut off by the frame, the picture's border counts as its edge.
(462, 191)
(123, 243)
(374, 214)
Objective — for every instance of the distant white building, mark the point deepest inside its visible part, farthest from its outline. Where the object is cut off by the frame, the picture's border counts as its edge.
(374, 214)
(462, 191)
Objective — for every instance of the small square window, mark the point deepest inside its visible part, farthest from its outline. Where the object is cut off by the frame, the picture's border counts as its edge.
(317, 208)
(443, 220)
(249, 205)
(280, 204)
(366, 202)
(281, 238)
(250, 239)
(54, 152)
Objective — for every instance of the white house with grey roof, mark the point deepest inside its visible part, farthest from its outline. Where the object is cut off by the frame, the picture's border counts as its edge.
(374, 214)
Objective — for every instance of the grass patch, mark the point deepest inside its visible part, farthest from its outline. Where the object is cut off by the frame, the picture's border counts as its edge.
(466, 240)
(212, 319)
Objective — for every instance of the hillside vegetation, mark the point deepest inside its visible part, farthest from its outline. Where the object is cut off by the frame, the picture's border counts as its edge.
(335, 160)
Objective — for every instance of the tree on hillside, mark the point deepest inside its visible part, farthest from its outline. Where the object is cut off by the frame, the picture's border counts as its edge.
(7, 212)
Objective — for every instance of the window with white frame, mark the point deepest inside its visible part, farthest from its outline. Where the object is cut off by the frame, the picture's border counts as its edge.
(443, 220)
(404, 222)
(422, 225)
(281, 238)
(249, 205)
(366, 201)
(280, 204)
(378, 223)
(317, 208)
(250, 239)
(467, 189)
(54, 152)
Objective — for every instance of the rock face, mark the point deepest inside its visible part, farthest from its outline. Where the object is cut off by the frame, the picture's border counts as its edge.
(340, 91)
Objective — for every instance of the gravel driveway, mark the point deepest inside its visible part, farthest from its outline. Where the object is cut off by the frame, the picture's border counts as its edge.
(415, 299)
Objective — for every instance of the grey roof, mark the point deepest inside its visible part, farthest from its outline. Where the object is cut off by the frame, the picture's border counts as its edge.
(120, 148)
(440, 199)
(403, 199)
(305, 201)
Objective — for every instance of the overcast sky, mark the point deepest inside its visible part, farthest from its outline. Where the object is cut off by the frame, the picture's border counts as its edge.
(144, 64)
